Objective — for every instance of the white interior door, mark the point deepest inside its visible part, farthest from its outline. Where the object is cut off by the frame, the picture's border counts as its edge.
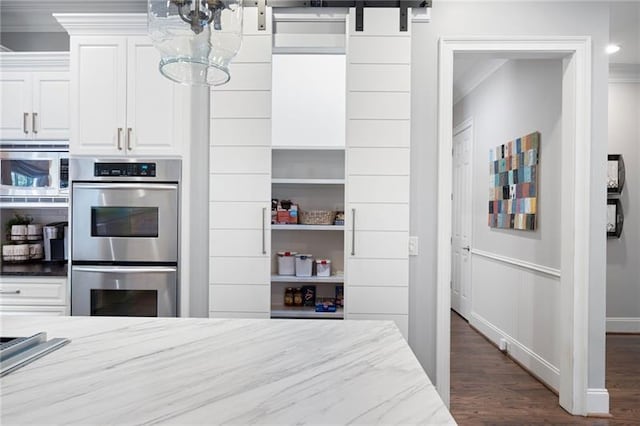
(461, 232)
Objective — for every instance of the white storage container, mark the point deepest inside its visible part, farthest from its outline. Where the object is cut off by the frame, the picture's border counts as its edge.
(323, 267)
(287, 263)
(304, 265)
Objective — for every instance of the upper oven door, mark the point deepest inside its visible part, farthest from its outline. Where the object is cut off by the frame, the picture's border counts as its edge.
(125, 222)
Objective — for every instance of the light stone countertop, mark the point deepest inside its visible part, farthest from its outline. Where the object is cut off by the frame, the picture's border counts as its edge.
(122, 370)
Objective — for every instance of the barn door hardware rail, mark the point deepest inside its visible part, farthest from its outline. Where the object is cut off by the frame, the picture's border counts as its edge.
(359, 5)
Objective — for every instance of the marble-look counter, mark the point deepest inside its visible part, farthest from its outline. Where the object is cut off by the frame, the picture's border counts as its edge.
(35, 269)
(204, 371)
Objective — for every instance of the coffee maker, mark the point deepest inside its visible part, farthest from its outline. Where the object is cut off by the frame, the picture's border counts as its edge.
(55, 241)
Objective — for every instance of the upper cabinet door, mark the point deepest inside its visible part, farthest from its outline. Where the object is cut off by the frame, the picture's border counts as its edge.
(153, 110)
(98, 95)
(15, 114)
(50, 120)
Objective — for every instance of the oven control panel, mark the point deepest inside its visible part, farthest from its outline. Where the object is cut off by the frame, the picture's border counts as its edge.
(124, 169)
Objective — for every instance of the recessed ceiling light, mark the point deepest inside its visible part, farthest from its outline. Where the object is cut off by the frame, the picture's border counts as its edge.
(612, 48)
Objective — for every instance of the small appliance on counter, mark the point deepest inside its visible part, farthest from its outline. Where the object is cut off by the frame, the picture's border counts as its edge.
(55, 241)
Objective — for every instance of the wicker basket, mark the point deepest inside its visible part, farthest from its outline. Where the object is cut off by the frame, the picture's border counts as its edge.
(317, 217)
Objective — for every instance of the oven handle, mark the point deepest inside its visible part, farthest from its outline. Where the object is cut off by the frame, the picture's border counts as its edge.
(124, 269)
(133, 185)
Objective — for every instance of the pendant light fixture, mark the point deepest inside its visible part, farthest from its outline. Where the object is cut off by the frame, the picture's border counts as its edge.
(196, 38)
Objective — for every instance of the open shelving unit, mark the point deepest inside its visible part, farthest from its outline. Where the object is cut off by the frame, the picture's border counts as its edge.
(313, 178)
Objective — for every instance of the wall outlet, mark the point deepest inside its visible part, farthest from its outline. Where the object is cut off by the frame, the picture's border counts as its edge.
(504, 345)
(413, 246)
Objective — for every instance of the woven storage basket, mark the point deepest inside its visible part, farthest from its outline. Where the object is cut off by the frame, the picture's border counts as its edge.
(317, 217)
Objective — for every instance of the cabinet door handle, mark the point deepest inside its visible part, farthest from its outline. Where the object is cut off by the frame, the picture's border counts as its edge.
(129, 138)
(353, 232)
(34, 128)
(119, 138)
(264, 231)
(25, 117)
(9, 291)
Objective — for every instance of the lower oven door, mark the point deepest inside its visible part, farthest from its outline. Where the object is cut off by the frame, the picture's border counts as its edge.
(124, 222)
(132, 291)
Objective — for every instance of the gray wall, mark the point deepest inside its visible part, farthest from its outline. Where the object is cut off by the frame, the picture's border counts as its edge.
(623, 255)
(522, 97)
(35, 42)
(499, 18)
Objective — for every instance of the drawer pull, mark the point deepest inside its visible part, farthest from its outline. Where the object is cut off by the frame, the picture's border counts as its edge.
(9, 291)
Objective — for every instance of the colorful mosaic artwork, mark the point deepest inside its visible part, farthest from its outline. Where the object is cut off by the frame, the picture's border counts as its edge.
(513, 183)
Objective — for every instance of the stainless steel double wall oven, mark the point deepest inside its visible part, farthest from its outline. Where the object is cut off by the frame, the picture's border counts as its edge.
(125, 234)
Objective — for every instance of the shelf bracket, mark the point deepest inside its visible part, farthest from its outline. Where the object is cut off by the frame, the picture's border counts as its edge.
(404, 16)
(262, 14)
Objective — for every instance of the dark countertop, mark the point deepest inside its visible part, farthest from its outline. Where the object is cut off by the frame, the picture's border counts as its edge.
(35, 269)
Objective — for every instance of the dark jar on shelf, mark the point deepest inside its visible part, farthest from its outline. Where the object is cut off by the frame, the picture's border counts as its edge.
(297, 297)
(288, 297)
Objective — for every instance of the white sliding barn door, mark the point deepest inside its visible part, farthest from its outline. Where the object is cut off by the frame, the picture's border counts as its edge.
(240, 181)
(377, 157)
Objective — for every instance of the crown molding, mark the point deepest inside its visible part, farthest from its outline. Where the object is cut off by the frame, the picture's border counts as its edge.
(51, 61)
(624, 73)
(103, 23)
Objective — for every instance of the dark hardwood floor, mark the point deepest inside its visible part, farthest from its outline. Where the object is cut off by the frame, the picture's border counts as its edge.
(488, 388)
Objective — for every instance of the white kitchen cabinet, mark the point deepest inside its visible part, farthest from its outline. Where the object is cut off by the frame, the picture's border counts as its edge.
(121, 105)
(33, 295)
(35, 96)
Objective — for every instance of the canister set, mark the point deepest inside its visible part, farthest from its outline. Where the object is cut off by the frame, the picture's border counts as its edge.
(25, 243)
(302, 265)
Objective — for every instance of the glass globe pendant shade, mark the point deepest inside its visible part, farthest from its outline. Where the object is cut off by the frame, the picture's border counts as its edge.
(196, 38)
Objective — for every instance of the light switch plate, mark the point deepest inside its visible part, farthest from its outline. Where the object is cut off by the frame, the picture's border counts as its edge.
(413, 246)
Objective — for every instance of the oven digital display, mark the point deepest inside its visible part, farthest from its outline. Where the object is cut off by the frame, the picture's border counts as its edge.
(129, 222)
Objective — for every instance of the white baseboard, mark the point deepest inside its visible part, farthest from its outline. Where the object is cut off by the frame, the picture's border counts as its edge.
(597, 401)
(538, 366)
(623, 325)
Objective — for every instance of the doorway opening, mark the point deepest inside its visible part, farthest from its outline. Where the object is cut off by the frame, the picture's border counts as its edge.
(575, 235)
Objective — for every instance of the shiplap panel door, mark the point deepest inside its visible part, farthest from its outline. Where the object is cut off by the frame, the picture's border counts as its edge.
(377, 161)
(240, 181)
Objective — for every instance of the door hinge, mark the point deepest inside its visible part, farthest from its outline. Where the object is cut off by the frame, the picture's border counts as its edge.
(452, 196)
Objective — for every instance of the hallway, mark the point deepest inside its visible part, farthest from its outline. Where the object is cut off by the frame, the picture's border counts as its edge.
(487, 387)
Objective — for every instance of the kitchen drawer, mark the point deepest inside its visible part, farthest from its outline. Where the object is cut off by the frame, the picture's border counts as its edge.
(34, 310)
(33, 291)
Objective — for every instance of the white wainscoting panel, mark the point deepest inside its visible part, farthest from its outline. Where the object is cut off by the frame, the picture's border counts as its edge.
(516, 301)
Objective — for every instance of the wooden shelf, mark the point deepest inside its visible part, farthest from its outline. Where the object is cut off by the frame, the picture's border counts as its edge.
(307, 227)
(308, 181)
(298, 312)
(337, 279)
